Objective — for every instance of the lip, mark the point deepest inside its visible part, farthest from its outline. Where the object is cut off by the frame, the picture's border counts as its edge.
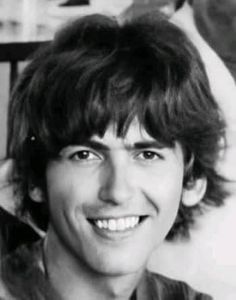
(116, 235)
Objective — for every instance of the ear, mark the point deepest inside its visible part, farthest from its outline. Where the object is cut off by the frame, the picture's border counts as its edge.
(194, 193)
(36, 194)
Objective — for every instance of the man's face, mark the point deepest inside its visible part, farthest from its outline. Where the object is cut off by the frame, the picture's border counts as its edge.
(113, 200)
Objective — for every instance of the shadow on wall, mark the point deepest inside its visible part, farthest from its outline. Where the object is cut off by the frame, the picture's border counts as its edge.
(216, 21)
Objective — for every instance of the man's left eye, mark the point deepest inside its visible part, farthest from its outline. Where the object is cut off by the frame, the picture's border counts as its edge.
(84, 155)
(149, 155)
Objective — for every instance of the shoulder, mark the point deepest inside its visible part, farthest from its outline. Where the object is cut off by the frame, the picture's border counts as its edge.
(173, 289)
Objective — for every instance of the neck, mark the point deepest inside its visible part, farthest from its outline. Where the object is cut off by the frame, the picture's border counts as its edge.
(73, 280)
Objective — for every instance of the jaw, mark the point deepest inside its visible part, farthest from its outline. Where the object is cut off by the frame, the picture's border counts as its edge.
(81, 282)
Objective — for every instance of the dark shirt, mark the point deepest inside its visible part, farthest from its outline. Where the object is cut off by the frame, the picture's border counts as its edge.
(23, 275)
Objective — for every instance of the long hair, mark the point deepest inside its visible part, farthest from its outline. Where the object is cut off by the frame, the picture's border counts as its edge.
(97, 71)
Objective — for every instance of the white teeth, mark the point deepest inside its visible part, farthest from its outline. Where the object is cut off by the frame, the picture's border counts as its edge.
(112, 225)
(120, 224)
(133, 222)
(99, 223)
(104, 224)
(127, 222)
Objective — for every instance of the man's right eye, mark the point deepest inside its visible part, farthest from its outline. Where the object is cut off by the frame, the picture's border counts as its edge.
(84, 155)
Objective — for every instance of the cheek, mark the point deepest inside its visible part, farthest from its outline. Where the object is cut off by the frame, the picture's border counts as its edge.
(166, 184)
(164, 190)
(69, 187)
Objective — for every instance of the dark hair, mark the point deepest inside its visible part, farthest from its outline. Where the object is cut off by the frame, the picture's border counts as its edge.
(96, 71)
(179, 4)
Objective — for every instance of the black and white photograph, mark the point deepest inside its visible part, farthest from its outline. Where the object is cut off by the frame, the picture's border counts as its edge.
(118, 149)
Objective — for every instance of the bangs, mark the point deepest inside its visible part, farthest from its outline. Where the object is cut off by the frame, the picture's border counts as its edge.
(115, 89)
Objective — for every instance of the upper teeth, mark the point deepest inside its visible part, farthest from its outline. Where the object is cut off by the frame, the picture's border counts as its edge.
(117, 224)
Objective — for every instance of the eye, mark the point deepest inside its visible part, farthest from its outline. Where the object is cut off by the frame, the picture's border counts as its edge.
(149, 155)
(84, 155)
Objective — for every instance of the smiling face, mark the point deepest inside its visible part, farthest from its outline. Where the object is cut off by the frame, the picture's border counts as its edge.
(113, 200)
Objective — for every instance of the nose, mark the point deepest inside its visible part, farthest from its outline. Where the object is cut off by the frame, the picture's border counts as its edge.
(116, 187)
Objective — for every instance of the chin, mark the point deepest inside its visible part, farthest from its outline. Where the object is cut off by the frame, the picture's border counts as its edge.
(119, 266)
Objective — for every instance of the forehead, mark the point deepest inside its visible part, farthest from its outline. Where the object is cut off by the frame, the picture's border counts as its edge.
(136, 136)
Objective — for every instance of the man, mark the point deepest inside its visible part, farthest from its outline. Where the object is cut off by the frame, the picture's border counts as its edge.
(115, 135)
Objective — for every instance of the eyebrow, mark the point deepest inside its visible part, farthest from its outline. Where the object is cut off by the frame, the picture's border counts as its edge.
(136, 146)
(148, 144)
(95, 145)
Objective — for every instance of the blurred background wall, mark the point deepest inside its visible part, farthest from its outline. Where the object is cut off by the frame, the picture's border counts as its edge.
(4, 89)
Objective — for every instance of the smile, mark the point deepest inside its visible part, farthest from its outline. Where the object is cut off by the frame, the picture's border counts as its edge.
(117, 224)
